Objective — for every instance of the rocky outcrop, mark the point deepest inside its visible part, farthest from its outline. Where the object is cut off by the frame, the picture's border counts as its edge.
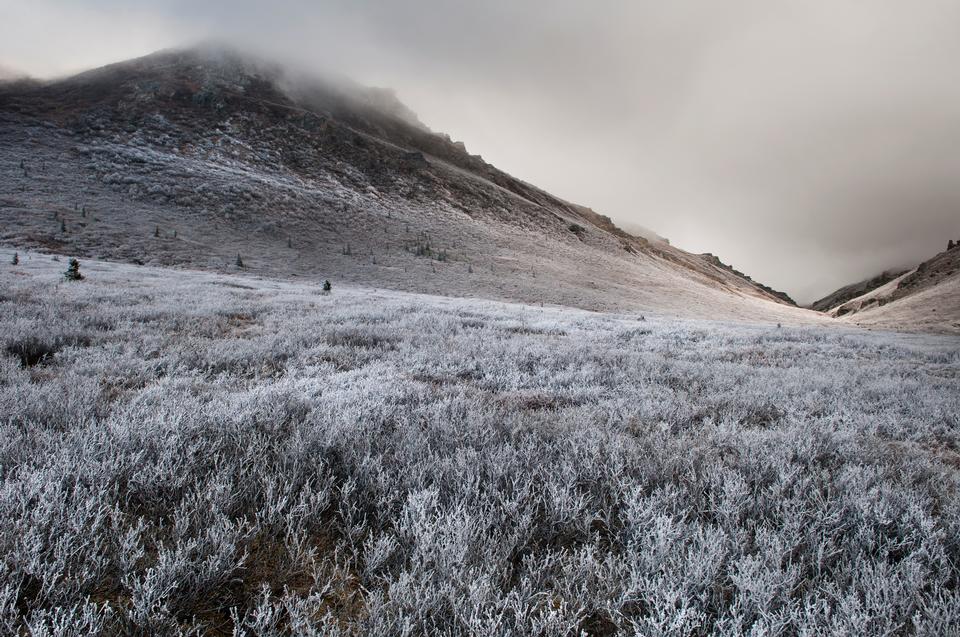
(714, 260)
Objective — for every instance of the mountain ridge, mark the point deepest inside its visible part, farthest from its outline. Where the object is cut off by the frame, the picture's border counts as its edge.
(853, 290)
(217, 153)
(925, 298)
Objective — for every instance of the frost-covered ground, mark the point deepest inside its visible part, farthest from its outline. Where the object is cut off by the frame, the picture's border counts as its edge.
(192, 453)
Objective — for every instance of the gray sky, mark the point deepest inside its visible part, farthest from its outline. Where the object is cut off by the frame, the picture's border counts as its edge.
(809, 143)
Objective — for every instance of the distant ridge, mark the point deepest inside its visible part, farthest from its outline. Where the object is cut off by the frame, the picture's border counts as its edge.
(852, 291)
(925, 298)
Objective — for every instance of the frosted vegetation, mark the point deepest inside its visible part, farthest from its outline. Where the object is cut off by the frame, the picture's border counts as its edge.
(187, 453)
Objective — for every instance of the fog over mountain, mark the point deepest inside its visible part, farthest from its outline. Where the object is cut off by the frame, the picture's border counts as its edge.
(809, 144)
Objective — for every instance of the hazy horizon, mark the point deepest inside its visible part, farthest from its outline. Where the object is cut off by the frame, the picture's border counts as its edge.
(809, 145)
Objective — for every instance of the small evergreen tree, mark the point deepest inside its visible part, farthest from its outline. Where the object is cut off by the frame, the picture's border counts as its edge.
(156, 231)
(16, 259)
(239, 261)
(327, 287)
(73, 271)
(63, 225)
(289, 242)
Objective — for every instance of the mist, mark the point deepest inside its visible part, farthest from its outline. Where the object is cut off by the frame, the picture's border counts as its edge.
(809, 144)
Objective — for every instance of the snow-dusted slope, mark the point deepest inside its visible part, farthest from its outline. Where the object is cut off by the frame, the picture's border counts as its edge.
(926, 298)
(195, 157)
(855, 290)
(932, 309)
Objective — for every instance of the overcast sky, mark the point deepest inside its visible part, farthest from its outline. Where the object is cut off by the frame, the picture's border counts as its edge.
(809, 143)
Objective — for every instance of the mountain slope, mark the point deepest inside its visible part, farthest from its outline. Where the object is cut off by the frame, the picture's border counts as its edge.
(854, 290)
(925, 298)
(202, 156)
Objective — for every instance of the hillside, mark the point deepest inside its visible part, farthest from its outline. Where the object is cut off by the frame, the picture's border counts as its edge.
(924, 298)
(193, 158)
(852, 291)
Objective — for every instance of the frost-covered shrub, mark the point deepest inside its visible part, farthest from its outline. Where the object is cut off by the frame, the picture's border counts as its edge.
(232, 456)
(33, 350)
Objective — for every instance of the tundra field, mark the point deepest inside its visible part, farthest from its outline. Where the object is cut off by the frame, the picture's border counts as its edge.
(189, 453)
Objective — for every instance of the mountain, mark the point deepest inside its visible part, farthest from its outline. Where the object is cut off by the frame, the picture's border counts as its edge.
(926, 298)
(852, 291)
(206, 158)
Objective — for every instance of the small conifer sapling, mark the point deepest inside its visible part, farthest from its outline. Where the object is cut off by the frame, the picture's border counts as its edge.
(73, 271)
